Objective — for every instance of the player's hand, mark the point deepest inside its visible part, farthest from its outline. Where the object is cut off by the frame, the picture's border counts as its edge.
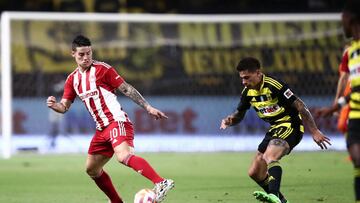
(226, 122)
(157, 114)
(321, 140)
(51, 100)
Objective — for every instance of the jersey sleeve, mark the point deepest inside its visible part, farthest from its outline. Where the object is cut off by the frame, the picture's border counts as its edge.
(343, 67)
(286, 95)
(281, 91)
(69, 92)
(244, 103)
(112, 78)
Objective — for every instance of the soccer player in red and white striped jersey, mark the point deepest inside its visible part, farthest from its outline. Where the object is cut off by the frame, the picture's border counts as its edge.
(95, 84)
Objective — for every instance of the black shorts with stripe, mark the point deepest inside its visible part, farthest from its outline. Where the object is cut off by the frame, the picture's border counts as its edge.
(353, 135)
(290, 132)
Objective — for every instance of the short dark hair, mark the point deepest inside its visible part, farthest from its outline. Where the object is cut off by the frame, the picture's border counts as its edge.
(248, 63)
(353, 7)
(80, 41)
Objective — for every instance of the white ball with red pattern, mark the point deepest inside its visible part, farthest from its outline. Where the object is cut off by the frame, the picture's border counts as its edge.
(145, 196)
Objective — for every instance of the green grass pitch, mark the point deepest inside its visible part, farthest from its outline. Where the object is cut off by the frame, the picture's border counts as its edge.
(323, 176)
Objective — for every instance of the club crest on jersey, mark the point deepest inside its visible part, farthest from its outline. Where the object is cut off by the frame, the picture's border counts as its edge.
(76, 84)
(288, 93)
(89, 94)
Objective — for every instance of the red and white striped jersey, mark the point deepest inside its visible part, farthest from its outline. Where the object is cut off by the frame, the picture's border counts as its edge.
(96, 88)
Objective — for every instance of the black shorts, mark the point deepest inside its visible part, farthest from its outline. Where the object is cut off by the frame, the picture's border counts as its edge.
(291, 133)
(353, 135)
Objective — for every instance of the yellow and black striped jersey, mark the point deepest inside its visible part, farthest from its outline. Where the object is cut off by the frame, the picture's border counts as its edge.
(353, 68)
(272, 102)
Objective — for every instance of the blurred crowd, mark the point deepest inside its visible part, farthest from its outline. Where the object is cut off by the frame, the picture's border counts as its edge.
(172, 58)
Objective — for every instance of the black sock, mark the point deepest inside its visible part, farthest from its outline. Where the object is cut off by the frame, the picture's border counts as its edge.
(357, 184)
(275, 172)
(264, 184)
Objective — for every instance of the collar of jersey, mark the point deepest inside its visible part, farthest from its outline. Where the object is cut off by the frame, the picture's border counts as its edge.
(262, 82)
(79, 70)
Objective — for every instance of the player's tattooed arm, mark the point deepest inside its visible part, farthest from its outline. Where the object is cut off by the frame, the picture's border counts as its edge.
(129, 91)
(60, 107)
(317, 135)
(305, 114)
(237, 117)
(232, 119)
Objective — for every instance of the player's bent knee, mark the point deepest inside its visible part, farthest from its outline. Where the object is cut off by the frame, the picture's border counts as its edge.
(253, 174)
(269, 158)
(93, 173)
(123, 156)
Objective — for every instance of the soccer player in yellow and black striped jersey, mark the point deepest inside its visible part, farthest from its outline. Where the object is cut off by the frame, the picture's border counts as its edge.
(351, 26)
(275, 103)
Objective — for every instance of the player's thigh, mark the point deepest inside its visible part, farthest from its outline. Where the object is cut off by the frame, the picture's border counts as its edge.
(120, 132)
(95, 163)
(284, 138)
(258, 167)
(276, 149)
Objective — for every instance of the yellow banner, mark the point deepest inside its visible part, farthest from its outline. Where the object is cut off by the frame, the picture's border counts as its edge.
(152, 50)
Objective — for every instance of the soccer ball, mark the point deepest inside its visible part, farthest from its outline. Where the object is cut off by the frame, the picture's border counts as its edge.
(145, 196)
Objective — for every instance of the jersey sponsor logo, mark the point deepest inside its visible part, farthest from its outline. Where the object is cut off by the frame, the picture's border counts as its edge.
(288, 93)
(355, 70)
(89, 94)
(269, 109)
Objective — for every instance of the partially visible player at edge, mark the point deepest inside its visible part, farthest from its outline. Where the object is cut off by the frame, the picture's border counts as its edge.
(95, 83)
(351, 26)
(276, 104)
(343, 89)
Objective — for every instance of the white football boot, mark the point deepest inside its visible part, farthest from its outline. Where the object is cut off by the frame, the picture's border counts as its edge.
(162, 188)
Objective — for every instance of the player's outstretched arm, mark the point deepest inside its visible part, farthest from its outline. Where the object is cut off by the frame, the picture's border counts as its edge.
(129, 91)
(338, 102)
(232, 119)
(60, 107)
(342, 82)
(317, 135)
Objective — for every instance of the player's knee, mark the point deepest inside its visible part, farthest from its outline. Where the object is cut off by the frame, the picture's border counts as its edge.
(123, 156)
(92, 172)
(270, 158)
(253, 174)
